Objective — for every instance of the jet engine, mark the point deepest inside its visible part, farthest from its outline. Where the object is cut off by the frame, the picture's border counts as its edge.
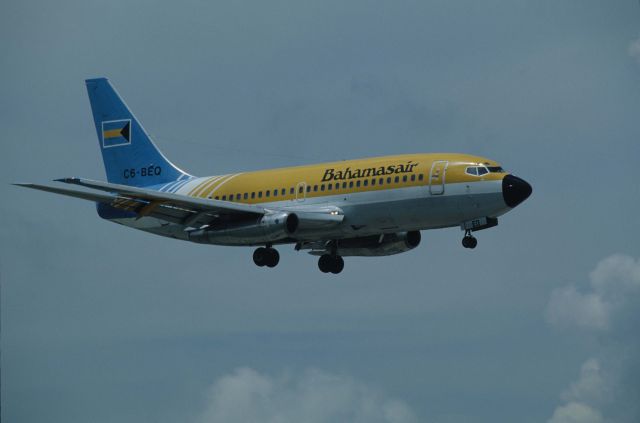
(268, 228)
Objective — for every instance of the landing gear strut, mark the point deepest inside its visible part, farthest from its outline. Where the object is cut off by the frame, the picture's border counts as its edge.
(266, 257)
(469, 241)
(330, 263)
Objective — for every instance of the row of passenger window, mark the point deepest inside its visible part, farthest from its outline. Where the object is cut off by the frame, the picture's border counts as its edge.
(322, 187)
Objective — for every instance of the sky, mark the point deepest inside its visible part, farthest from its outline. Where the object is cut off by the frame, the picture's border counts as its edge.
(103, 323)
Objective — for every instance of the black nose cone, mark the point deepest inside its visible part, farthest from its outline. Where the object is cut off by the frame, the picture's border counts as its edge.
(515, 190)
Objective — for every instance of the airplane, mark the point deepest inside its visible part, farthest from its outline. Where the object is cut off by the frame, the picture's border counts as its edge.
(367, 207)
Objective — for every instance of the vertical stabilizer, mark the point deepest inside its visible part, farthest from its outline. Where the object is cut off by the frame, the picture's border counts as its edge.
(129, 155)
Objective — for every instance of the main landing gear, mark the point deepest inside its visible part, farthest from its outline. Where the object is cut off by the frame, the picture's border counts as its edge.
(330, 263)
(266, 257)
(469, 241)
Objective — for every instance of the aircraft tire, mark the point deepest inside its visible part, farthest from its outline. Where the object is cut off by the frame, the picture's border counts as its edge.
(325, 263)
(337, 265)
(260, 256)
(273, 257)
(469, 242)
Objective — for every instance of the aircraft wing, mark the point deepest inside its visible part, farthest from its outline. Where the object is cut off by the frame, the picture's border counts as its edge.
(174, 208)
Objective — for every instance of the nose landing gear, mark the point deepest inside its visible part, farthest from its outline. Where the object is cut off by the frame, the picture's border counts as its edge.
(469, 241)
(266, 257)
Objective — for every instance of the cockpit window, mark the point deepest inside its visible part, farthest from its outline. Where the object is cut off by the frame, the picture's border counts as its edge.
(482, 170)
(495, 169)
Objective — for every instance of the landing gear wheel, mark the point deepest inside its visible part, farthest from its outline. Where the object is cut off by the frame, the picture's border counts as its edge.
(260, 256)
(273, 257)
(338, 265)
(325, 263)
(266, 257)
(328, 263)
(469, 242)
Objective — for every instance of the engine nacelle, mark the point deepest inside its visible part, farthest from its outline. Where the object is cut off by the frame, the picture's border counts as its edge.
(269, 228)
(376, 245)
(275, 221)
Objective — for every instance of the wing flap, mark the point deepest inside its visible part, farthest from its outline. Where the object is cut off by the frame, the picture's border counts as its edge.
(182, 211)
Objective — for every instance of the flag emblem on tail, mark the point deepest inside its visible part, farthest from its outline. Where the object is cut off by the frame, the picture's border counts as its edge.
(116, 132)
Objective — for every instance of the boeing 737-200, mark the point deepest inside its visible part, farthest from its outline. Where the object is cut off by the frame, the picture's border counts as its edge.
(367, 207)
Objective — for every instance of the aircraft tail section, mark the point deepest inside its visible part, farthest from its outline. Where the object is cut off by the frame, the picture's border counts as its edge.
(129, 155)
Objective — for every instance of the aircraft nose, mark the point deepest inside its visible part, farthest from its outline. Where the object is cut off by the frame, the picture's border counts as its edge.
(515, 190)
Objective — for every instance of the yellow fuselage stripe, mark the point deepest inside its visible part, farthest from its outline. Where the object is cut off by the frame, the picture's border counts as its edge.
(346, 171)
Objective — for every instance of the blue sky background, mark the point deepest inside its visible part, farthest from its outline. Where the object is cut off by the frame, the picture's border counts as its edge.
(101, 323)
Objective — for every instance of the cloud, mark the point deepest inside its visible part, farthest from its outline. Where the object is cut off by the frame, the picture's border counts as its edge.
(575, 412)
(608, 386)
(568, 307)
(615, 282)
(634, 50)
(591, 387)
(314, 396)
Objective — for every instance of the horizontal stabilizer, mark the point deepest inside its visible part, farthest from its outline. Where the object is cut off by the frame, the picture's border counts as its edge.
(85, 195)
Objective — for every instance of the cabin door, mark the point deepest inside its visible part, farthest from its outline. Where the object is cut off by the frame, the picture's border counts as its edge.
(437, 177)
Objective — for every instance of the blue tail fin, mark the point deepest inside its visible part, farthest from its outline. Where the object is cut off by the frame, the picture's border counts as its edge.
(129, 155)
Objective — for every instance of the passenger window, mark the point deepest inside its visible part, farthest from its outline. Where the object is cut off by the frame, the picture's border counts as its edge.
(381, 181)
(300, 190)
(230, 197)
(329, 187)
(344, 185)
(308, 188)
(315, 188)
(413, 178)
(238, 197)
(291, 191)
(253, 195)
(373, 182)
(420, 177)
(246, 195)
(283, 191)
(404, 178)
(224, 198)
(350, 184)
(259, 194)
(396, 179)
(358, 184)
(322, 187)
(268, 193)
(337, 185)
(389, 180)
(275, 192)
(217, 198)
